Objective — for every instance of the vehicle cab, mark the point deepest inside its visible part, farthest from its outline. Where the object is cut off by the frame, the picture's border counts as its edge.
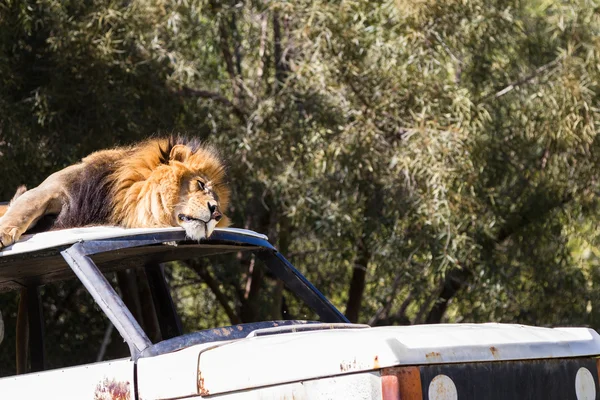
(320, 357)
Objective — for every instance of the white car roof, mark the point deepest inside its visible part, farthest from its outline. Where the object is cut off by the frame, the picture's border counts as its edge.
(51, 239)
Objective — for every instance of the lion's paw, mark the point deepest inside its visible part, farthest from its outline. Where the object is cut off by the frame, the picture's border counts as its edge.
(8, 236)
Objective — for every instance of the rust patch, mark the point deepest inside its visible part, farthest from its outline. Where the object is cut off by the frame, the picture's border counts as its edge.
(240, 328)
(376, 362)
(202, 391)
(401, 383)
(226, 332)
(434, 355)
(495, 352)
(348, 365)
(111, 389)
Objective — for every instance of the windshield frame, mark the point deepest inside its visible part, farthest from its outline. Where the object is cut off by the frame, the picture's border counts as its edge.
(79, 258)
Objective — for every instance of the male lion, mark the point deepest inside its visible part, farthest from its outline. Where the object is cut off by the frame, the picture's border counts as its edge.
(157, 183)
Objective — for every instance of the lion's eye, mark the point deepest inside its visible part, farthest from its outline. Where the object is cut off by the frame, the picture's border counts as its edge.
(201, 185)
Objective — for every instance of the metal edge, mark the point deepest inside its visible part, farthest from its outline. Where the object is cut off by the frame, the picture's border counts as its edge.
(119, 235)
(107, 299)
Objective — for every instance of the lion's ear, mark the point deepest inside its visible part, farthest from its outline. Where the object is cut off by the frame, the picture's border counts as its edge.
(179, 153)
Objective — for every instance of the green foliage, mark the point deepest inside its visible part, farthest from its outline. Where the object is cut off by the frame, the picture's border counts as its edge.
(448, 150)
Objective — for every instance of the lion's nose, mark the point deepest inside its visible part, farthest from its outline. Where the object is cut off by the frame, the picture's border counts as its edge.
(214, 212)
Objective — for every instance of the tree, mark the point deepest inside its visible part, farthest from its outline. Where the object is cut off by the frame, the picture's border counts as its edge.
(421, 162)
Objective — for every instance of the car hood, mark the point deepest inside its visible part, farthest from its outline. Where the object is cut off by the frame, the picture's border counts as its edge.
(288, 357)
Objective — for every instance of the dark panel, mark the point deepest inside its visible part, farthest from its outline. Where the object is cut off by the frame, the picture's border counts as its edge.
(530, 379)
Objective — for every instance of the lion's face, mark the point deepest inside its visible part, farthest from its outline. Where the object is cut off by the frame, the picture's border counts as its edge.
(199, 208)
(188, 189)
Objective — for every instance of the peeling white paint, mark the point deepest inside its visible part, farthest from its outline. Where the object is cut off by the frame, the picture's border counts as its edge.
(98, 381)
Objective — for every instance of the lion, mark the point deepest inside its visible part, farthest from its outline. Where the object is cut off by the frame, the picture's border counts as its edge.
(160, 182)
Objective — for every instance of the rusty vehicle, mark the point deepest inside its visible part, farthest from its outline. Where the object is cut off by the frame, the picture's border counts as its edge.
(325, 357)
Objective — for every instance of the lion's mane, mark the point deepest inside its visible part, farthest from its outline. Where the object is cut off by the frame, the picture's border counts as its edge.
(121, 186)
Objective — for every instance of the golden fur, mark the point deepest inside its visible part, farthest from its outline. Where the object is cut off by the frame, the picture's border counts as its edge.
(157, 183)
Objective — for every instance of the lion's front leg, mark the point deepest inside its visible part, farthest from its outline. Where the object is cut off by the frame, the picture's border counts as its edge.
(26, 209)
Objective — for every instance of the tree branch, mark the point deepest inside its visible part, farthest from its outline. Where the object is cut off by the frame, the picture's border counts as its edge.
(261, 52)
(456, 279)
(281, 67)
(523, 81)
(384, 311)
(213, 285)
(225, 46)
(525, 218)
(453, 282)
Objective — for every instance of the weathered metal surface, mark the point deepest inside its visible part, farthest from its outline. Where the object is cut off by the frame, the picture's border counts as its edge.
(347, 387)
(172, 375)
(106, 298)
(585, 384)
(401, 383)
(176, 374)
(442, 387)
(277, 359)
(560, 379)
(215, 335)
(48, 240)
(111, 389)
(280, 327)
(112, 380)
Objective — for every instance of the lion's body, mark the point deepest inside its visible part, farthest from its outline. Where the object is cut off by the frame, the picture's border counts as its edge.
(157, 183)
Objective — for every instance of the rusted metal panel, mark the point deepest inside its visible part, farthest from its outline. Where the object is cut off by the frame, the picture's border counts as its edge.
(560, 379)
(401, 383)
(112, 389)
(111, 380)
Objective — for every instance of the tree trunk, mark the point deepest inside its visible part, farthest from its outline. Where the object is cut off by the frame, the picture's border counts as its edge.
(250, 306)
(277, 306)
(262, 216)
(357, 283)
(373, 208)
(213, 285)
(281, 66)
(455, 280)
